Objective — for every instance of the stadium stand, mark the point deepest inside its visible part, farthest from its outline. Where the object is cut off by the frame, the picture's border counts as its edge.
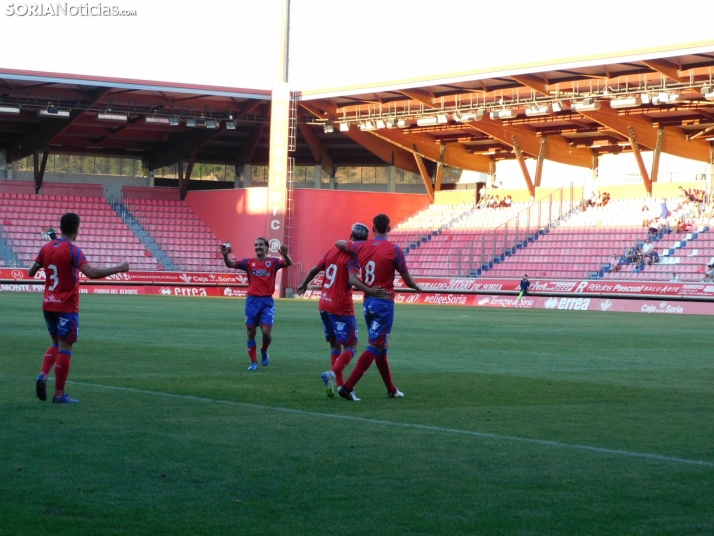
(172, 224)
(103, 237)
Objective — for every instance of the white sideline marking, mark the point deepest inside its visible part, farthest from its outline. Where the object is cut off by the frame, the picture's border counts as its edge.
(487, 435)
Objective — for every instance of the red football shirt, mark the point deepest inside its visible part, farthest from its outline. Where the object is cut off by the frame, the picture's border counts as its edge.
(379, 258)
(60, 259)
(336, 296)
(261, 274)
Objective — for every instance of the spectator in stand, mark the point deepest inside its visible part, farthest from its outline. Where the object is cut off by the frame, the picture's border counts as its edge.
(663, 210)
(615, 263)
(630, 256)
(675, 278)
(508, 201)
(647, 248)
(654, 258)
(681, 226)
(709, 273)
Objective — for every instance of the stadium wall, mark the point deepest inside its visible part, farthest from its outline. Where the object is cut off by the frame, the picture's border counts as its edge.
(321, 216)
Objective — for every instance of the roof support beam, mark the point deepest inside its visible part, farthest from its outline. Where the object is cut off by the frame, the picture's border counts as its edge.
(318, 150)
(190, 143)
(673, 140)
(533, 82)
(440, 168)
(556, 150)
(640, 163)
(657, 153)
(424, 174)
(666, 68)
(539, 163)
(524, 168)
(455, 154)
(39, 167)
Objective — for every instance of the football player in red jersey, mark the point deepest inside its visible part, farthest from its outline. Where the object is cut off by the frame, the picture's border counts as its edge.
(259, 305)
(61, 259)
(379, 259)
(336, 307)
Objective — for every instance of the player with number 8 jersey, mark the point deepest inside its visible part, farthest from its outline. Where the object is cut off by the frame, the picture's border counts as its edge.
(379, 259)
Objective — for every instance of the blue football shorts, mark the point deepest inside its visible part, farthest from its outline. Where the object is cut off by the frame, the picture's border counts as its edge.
(64, 326)
(379, 316)
(259, 311)
(339, 329)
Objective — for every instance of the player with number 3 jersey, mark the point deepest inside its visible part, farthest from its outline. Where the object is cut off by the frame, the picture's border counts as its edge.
(61, 260)
(336, 306)
(379, 259)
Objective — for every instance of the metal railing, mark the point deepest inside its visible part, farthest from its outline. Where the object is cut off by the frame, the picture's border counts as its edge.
(492, 247)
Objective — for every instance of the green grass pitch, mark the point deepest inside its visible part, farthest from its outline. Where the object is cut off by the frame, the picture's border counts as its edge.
(515, 422)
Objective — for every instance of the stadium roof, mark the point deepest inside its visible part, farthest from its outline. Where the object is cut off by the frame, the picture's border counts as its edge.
(569, 113)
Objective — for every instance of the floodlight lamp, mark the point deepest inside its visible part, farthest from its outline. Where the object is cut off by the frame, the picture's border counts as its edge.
(404, 123)
(503, 114)
(367, 125)
(467, 116)
(9, 109)
(427, 121)
(191, 122)
(328, 128)
(536, 110)
(52, 111)
(706, 89)
(344, 127)
(442, 119)
(645, 98)
(709, 96)
(587, 105)
(174, 121)
(392, 122)
(200, 122)
(230, 125)
(108, 116)
(157, 120)
(626, 102)
(381, 123)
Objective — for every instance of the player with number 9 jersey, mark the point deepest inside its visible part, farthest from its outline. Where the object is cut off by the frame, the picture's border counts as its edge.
(336, 295)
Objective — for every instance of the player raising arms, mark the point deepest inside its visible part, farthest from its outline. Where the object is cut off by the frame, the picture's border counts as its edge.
(336, 308)
(378, 258)
(259, 305)
(61, 259)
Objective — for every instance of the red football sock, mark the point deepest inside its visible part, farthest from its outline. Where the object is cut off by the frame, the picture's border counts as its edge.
(49, 360)
(383, 366)
(266, 343)
(339, 364)
(334, 354)
(363, 363)
(252, 352)
(64, 359)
